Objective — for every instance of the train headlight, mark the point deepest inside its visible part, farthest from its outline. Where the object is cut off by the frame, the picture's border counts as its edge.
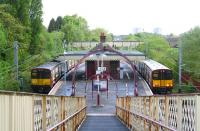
(155, 85)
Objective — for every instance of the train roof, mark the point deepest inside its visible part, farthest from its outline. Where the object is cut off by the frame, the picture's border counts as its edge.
(49, 66)
(154, 65)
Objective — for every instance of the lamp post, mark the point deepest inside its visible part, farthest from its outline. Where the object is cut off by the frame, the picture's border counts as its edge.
(16, 59)
(102, 65)
(180, 66)
(97, 72)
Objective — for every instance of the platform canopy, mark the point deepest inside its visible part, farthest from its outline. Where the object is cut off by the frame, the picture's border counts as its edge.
(77, 55)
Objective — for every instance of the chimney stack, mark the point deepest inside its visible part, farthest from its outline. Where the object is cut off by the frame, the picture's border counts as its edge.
(102, 38)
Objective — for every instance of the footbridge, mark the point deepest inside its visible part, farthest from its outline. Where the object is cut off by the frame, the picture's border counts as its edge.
(33, 112)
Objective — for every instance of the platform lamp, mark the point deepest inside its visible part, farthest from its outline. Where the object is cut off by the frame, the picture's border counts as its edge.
(97, 72)
(102, 63)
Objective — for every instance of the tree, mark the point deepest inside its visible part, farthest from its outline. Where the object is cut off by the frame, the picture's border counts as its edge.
(95, 34)
(131, 37)
(52, 25)
(36, 24)
(58, 23)
(75, 28)
(190, 48)
(3, 42)
(22, 8)
(14, 30)
(157, 48)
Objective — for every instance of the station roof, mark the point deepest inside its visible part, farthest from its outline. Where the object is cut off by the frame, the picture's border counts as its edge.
(77, 55)
(124, 52)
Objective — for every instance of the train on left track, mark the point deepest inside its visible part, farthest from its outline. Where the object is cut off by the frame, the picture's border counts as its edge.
(45, 76)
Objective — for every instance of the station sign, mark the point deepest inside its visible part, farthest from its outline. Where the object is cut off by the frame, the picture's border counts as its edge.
(102, 69)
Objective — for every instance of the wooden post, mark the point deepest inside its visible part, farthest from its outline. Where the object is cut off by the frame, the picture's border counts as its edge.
(44, 102)
(197, 119)
(63, 112)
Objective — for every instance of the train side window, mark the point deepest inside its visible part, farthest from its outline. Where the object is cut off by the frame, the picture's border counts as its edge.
(53, 74)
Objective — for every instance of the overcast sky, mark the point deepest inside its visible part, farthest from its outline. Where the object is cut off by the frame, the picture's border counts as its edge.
(123, 16)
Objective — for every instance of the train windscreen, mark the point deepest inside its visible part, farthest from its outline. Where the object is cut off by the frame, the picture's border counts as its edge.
(40, 73)
(162, 75)
(156, 75)
(167, 75)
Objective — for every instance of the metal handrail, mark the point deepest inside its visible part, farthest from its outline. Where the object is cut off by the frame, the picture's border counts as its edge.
(147, 118)
(66, 119)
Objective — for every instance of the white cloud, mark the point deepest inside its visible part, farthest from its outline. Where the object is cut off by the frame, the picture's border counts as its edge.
(122, 16)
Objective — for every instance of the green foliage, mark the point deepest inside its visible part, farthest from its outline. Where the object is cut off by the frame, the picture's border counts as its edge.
(131, 37)
(7, 79)
(36, 24)
(3, 42)
(59, 23)
(14, 30)
(22, 11)
(184, 88)
(75, 28)
(191, 51)
(157, 48)
(95, 33)
(22, 21)
(55, 25)
(52, 25)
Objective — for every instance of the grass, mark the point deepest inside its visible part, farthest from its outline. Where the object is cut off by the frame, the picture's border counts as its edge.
(184, 89)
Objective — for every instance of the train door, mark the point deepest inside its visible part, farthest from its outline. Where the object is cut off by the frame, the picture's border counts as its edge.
(156, 78)
(162, 81)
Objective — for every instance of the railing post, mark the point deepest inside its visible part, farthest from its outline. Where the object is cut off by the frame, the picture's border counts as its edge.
(116, 112)
(156, 111)
(144, 99)
(179, 113)
(11, 110)
(123, 112)
(63, 112)
(166, 109)
(197, 125)
(126, 110)
(44, 102)
(150, 109)
(129, 118)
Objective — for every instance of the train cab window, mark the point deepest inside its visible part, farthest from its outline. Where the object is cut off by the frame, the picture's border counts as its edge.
(167, 75)
(40, 74)
(156, 75)
(34, 74)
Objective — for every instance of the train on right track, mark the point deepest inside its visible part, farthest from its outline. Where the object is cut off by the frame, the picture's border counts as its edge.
(158, 76)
